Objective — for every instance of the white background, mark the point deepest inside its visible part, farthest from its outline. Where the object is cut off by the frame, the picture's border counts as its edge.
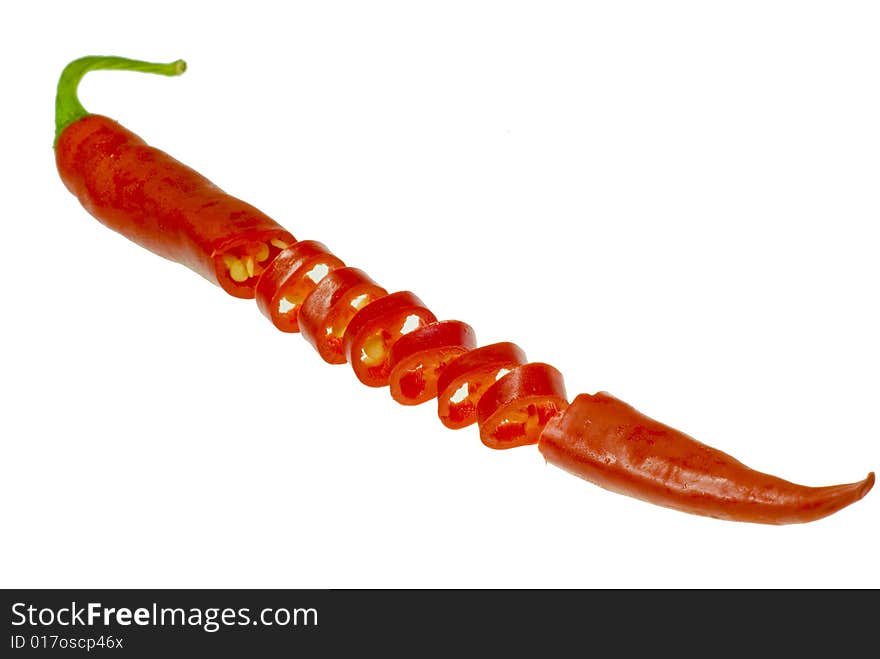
(676, 202)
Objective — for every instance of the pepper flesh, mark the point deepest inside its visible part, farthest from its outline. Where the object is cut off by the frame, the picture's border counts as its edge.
(290, 278)
(156, 201)
(373, 331)
(465, 379)
(417, 359)
(607, 442)
(514, 410)
(327, 310)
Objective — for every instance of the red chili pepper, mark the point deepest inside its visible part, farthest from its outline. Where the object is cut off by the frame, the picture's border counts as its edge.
(514, 410)
(375, 328)
(465, 379)
(289, 279)
(418, 358)
(327, 311)
(607, 442)
(168, 208)
(151, 198)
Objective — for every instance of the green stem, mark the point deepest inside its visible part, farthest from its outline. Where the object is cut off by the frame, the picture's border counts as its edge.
(67, 106)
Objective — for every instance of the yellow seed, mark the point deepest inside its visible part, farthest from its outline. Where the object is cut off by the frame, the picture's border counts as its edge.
(531, 427)
(337, 329)
(229, 260)
(373, 351)
(289, 301)
(238, 272)
(263, 253)
(249, 265)
(280, 244)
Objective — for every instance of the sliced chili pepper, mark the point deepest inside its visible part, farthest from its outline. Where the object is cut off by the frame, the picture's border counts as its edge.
(289, 279)
(464, 380)
(154, 200)
(375, 328)
(170, 209)
(327, 311)
(417, 359)
(607, 442)
(514, 410)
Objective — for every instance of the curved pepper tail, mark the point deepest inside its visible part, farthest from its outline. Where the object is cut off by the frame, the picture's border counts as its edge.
(609, 443)
(823, 501)
(867, 484)
(860, 489)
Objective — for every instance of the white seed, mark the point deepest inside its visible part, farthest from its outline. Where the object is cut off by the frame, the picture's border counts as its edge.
(411, 323)
(317, 273)
(460, 394)
(359, 301)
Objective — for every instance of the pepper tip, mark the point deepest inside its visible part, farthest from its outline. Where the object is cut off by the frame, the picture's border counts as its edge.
(867, 484)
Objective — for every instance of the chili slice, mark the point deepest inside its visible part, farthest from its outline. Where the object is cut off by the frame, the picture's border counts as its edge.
(418, 358)
(464, 380)
(513, 411)
(289, 279)
(375, 328)
(609, 443)
(153, 199)
(327, 311)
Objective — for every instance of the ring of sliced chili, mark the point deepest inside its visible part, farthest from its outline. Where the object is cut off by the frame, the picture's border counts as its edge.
(515, 409)
(327, 311)
(375, 328)
(289, 279)
(417, 359)
(464, 380)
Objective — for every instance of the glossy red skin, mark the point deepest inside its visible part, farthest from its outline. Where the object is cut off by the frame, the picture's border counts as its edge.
(479, 368)
(158, 202)
(536, 390)
(417, 359)
(329, 306)
(609, 443)
(286, 272)
(384, 317)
